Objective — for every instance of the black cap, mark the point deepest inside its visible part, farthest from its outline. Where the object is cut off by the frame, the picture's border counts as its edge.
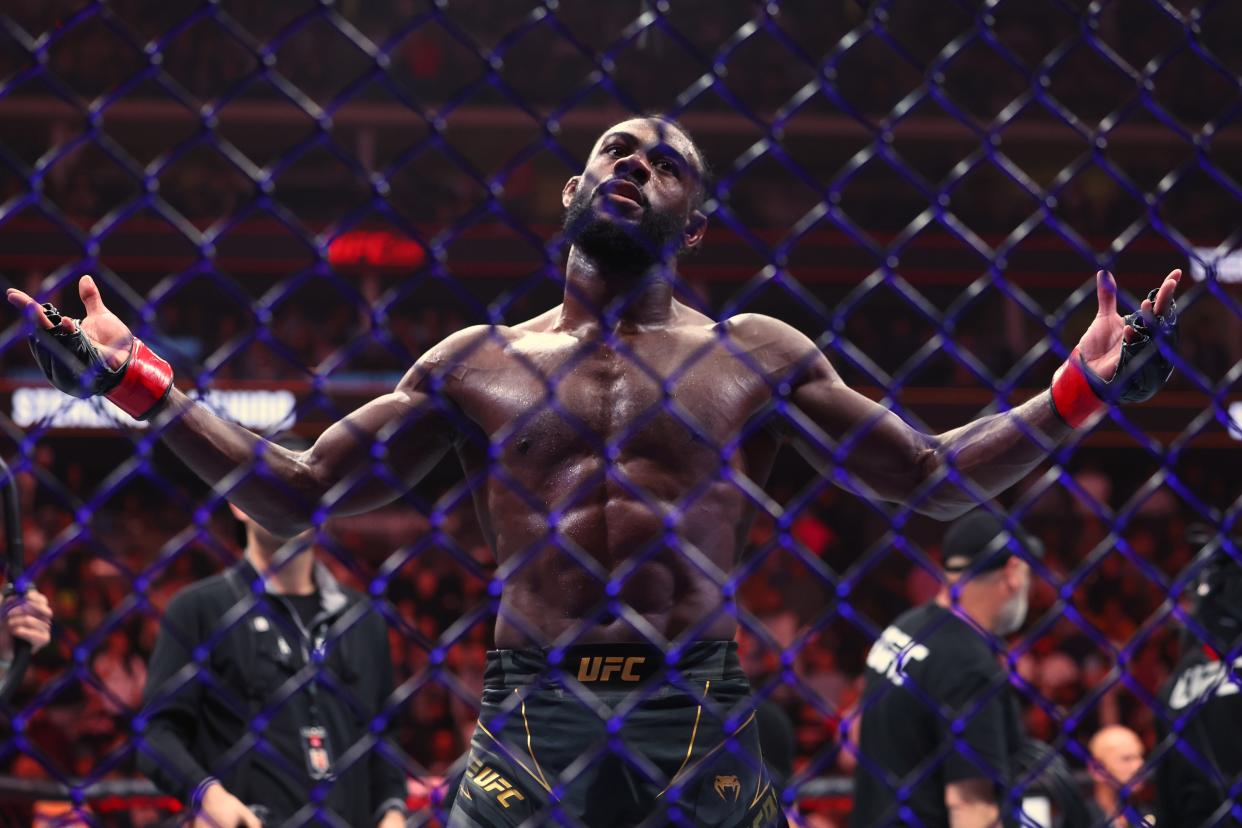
(979, 542)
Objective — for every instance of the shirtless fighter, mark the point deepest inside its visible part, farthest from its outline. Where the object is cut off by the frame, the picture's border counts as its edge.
(616, 445)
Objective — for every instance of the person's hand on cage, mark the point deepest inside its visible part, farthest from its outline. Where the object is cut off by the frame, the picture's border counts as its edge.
(97, 355)
(29, 617)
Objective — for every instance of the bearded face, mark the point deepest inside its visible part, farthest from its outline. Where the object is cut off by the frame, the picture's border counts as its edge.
(1013, 613)
(615, 238)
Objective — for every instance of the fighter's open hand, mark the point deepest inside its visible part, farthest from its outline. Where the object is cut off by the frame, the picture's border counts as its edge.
(101, 325)
(1100, 346)
(98, 356)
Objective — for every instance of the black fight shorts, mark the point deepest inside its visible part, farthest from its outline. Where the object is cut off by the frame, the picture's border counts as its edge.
(614, 735)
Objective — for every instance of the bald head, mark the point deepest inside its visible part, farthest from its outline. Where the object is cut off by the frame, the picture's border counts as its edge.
(1118, 755)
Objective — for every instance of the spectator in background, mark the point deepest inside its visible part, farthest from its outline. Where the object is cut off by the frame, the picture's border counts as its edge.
(122, 671)
(1116, 759)
(934, 658)
(310, 655)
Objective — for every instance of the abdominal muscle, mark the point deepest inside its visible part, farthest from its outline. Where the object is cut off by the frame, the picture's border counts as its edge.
(557, 586)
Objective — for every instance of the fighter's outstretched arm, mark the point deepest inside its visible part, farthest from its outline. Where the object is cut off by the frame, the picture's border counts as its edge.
(365, 460)
(836, 427)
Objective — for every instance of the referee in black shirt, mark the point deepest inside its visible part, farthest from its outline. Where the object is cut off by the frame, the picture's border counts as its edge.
(939, 725)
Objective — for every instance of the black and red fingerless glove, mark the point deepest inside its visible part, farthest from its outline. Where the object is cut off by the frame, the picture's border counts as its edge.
(1142, 370)
(73, 364)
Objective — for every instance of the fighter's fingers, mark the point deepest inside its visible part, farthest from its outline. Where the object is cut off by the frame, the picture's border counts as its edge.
(1128, 334)
(1106, 293)
(249, 820)
(90, 296)
(29, 307)
(1164, 296)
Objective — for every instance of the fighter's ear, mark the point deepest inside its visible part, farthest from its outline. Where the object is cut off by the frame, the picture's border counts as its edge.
(570, 190)
(696, 228)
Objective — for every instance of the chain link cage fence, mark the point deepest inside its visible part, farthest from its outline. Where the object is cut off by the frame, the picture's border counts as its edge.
(292, 201)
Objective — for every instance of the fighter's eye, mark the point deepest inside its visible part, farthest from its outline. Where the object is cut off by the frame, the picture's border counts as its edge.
(668, 165)
(614, 150)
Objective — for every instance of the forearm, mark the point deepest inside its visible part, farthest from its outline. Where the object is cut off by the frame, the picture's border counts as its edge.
(168, 763)
(173, 704)
(985, 457)
(361, 462)
(268, 482)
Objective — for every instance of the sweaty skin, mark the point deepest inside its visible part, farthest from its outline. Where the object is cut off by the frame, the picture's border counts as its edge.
(620, 434)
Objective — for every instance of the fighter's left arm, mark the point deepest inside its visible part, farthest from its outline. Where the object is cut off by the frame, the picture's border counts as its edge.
(838, 430)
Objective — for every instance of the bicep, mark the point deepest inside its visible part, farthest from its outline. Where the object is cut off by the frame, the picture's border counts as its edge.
(380, 451)
(835, 427)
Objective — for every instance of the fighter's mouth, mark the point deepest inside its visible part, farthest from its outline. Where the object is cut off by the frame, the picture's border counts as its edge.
(624, 189)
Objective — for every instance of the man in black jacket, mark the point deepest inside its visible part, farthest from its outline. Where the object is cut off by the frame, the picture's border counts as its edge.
(261, 695)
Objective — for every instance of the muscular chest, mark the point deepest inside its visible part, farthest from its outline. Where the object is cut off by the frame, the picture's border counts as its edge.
(615, 402)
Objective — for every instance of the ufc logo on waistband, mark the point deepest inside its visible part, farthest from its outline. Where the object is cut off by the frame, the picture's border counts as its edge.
(601, 668)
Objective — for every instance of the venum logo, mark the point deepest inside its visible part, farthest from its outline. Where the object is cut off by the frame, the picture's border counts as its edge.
(728, 783)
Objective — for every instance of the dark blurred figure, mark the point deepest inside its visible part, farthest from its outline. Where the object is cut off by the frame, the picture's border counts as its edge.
(1197, 779)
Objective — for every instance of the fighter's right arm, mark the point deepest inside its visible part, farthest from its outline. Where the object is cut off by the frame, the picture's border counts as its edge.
(971, 803)
(365, 460)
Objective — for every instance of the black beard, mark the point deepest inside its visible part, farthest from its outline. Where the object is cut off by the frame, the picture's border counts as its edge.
(627, 249)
